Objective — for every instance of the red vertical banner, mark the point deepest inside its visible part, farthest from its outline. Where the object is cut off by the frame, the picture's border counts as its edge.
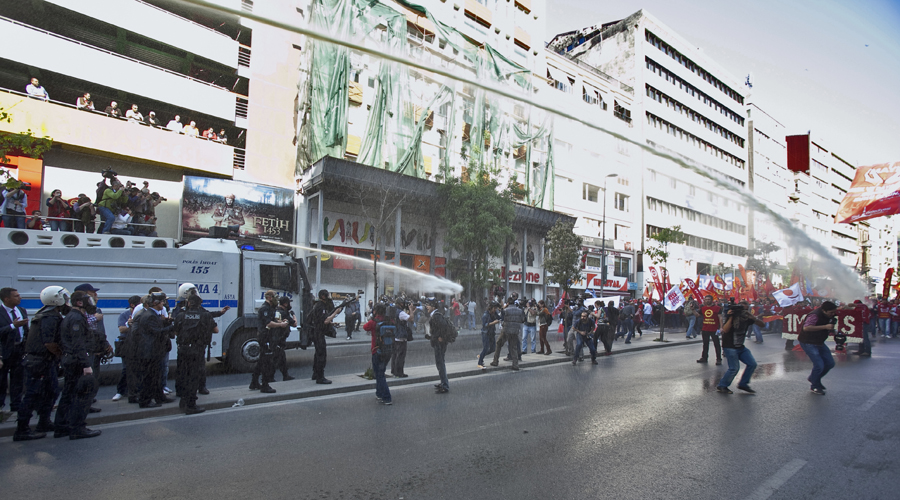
(659, 288)
(888, 277)
(692, 286)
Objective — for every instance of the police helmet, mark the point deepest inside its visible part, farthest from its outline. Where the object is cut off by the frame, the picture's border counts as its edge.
(54, 296)
(184, 291)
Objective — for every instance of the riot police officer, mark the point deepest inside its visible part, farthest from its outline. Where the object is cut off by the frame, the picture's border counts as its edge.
(193, 329)
(185, 291)
(266, 323)
(42, 354)
(280, 335)
(321, 319)
(76, 340)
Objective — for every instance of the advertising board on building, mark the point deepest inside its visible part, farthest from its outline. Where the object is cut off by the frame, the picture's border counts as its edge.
(251, 214)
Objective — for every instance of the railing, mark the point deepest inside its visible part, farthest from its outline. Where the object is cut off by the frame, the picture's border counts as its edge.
(240, 107)
(596, 72)
(96, 112)
(244, 56)
(240, 157)
(120, 56)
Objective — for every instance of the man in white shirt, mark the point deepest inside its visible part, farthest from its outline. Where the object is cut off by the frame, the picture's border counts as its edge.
(175, 125)
(34, 89)
(133, 115)
(471, 309)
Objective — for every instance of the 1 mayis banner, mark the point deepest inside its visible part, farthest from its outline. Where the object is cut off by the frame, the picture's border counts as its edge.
(875, 192)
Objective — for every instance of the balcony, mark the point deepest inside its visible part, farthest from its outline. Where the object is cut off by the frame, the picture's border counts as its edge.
(103, 135)
(159, 24)
(91, 64)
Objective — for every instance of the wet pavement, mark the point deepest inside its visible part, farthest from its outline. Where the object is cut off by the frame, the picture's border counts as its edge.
(348, 360)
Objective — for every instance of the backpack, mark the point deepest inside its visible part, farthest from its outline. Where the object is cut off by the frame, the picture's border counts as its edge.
(448, 332)
(384, 339)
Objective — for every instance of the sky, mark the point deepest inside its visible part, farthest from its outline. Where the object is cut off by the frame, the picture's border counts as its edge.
(824, 66)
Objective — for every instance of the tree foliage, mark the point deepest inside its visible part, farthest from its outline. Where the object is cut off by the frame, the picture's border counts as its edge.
(478, 217)
(759, 256)
(659, 251)
(23, 144)
(563, 259)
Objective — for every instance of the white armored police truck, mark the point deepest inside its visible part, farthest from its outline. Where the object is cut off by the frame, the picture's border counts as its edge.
(122, 266)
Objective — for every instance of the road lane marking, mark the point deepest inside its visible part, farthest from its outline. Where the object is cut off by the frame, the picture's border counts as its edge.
(876, 398)
(777, 479)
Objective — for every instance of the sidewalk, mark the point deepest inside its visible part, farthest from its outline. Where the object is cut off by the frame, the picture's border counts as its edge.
(118, 411)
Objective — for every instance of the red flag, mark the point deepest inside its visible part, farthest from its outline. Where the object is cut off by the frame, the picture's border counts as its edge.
(711, 289)
(888, 276)
(692, 286)
(647, 294)
(768, 287)
(873, 193)
(559, 305)
(665, 273)
(659, 288)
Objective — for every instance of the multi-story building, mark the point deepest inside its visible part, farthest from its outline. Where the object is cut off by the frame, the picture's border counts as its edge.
(597, 175)
(165, 58)
(770, 182)
(690, 108)
(821, 180)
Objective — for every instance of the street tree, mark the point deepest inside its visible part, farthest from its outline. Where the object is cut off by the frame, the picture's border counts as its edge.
(478, 218)
(759, 256)
(658, 252)
(563, 256)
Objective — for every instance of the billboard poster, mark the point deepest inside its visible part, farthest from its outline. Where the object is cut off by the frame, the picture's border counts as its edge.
(250, 214)
(875, 192)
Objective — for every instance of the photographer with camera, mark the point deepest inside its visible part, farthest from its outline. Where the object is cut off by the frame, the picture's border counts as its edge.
(14, 202)
(734, 332)
(58, 210)
(113, 197)
(818, 325)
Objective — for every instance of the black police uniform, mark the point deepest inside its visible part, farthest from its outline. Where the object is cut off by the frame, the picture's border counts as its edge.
(266, 364)
(201, 369)
(318, 315)
(279, 337)
(41, 383)
(76, 340)
(153, 342)
(193, 330)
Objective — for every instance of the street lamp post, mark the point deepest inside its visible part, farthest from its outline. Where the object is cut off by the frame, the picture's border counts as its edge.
(603, 242)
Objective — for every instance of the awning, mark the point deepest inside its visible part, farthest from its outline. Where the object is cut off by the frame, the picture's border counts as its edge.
(558, 75)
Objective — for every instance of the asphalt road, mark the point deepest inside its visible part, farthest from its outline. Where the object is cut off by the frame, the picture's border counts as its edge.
(641, 425)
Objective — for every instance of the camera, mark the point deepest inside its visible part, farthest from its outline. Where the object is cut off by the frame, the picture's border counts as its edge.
(156, 196)
(109, 173)
(17, 184)
(840, 339)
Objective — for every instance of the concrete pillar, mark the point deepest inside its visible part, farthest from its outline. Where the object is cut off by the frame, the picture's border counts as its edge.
(398, 241)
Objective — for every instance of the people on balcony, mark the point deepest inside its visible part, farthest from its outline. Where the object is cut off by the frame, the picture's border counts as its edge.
(35, 90)
(152, 120)
(133, 115)
(113, 110)
(191, 129)
(84, 102)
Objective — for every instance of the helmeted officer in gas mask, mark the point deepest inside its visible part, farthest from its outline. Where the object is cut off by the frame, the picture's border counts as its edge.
(193, 329)
(280, 335)
(42, 354)
(76, 340)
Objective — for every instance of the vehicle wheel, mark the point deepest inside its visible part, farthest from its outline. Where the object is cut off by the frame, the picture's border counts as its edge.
(243, 351)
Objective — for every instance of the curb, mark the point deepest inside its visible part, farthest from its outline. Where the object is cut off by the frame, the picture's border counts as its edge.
(227, 395)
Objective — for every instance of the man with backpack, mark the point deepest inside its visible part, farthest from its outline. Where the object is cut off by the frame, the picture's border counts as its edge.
(382, 331)
(402, 336)
(442, 333)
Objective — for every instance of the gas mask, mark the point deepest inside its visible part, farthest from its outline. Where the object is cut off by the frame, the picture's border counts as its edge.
(88, 305)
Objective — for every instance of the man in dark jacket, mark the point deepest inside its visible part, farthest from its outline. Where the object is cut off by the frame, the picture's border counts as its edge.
(266, 323)
(76, 340)
(279, 336)
(583, 329)
(815, 330)
(42, 354)
(153, 333)
(511, 329)
(13, 321)
(193, 329)
(437, 326)
(733, 338)
(321, 317)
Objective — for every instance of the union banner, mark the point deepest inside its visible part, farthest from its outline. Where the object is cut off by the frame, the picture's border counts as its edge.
(875, 192)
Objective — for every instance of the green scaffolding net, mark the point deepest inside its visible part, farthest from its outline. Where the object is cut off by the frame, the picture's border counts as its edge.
(413, 116)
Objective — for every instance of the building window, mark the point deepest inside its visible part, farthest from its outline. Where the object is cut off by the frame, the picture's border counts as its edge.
(590, 192)
(621, 202)
(622, 267)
